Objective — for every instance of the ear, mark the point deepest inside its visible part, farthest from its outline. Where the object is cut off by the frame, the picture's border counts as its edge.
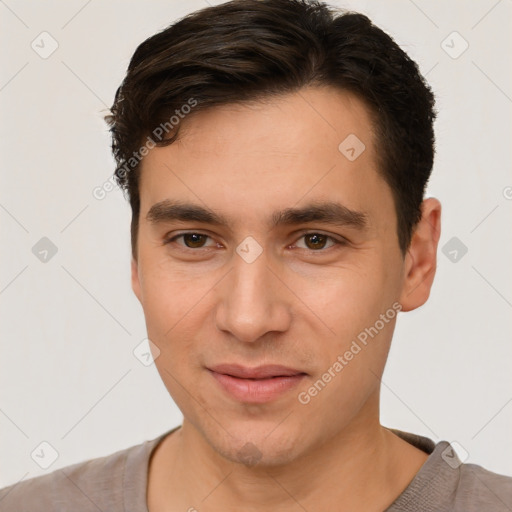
(421, 257)
(135, 279)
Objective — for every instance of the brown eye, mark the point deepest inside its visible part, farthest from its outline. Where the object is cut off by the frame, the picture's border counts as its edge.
(319, 242)
(315, 241)
(194, 240)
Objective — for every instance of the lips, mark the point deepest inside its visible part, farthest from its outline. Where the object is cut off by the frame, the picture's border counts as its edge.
(259, 372)
(256, 385)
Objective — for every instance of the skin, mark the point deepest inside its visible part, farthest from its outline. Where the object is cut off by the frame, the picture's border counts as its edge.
(298, 304)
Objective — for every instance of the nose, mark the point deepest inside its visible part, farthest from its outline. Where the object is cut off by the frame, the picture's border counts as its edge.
(253, 300)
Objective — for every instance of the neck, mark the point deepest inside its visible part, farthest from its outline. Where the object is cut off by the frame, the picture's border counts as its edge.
(363, 467)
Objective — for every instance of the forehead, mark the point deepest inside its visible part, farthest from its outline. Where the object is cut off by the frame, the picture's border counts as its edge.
(313, 118)
(315, 144)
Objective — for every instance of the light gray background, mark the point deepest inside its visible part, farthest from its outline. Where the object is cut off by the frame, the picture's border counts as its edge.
(68, 375)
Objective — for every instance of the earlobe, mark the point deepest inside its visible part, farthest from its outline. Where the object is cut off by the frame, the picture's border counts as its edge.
(135, 279)
(421, 258)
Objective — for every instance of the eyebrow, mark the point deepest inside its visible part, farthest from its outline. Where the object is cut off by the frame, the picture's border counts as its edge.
(327, 212)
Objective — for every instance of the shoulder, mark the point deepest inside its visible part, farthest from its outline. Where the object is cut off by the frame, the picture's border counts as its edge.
(445, 484)
(481, 489)
(92, 485)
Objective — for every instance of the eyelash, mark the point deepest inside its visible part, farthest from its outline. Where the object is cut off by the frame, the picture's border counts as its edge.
(337, 242)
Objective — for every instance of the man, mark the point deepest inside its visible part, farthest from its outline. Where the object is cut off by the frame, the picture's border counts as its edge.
(275, 154)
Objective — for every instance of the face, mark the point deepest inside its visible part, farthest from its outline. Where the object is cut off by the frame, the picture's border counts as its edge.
(272, 303)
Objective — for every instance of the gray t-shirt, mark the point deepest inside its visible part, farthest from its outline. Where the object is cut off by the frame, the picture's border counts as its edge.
(118, 483)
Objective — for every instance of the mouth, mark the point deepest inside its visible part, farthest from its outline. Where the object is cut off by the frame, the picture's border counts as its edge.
(256, 385)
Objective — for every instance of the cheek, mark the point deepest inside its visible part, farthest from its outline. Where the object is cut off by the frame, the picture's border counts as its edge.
(352, 359)
(168, 308)
(347, 300)
(174, 328)
(169, 293)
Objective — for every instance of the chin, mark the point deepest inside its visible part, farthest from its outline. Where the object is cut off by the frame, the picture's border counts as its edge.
(258, 446)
